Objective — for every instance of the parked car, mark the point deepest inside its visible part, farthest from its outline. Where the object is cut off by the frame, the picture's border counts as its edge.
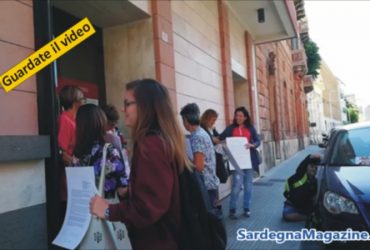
(343, 199)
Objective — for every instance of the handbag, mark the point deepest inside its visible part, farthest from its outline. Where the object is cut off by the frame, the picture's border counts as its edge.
(222, 170)
(259, 157)
(103, 234)
(222, 164)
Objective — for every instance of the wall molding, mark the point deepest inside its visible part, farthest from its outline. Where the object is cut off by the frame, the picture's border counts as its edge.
(24, 147)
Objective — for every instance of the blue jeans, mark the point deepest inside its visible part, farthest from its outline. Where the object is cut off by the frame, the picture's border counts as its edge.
(237, 182)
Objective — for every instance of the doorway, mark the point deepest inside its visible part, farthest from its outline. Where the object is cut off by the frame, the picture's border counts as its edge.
(241, 91)
(88, 66)
(83, 66)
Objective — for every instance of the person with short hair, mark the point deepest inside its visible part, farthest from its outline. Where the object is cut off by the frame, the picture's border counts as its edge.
(202, 148)
(71, 99)
(113, 135)
(151, 211)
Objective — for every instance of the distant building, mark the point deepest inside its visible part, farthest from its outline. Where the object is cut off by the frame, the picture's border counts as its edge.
(331, 98)
(343, 107)
(219, 54)
(367, 113)
(316, 111)
(352, 100)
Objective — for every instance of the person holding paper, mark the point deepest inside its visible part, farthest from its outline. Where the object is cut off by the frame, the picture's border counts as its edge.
(151, 211)
(242, 127)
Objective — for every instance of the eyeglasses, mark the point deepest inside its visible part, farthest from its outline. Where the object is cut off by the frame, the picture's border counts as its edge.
(127, 104)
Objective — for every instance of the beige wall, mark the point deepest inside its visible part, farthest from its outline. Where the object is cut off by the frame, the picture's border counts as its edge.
(128, 55)
(330, 93)
(198, 59)
(238, 61)
(198, 56)
(18, 108)
(22, 185)
(241, 94)
(237, 46)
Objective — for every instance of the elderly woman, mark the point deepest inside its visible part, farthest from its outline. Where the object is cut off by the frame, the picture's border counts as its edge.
(202, 148)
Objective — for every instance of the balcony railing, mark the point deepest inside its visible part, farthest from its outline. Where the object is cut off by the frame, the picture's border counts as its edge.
(308, 83)
(299, 58)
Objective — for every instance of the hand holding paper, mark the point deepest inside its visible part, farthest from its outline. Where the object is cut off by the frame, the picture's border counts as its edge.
(238, 153)
(81, 187)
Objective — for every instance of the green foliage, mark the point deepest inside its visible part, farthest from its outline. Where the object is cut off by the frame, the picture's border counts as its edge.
(313, 58)
(352, 112)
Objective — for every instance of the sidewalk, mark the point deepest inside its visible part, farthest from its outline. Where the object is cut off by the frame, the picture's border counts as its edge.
(267, 203)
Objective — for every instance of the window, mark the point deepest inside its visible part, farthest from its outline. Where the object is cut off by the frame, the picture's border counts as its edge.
(352, 148)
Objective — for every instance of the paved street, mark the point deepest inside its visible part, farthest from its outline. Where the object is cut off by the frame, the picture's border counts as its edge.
(267, 204)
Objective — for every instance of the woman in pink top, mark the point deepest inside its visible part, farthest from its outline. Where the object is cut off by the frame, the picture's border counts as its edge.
(71, 98)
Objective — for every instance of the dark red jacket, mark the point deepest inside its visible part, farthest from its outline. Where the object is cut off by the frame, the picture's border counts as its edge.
(152, 210)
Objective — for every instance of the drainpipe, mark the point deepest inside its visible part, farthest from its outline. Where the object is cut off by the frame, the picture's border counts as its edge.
(262, 167)
(255, 89)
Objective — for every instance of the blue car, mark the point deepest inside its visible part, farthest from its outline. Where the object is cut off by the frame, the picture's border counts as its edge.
(343, 199)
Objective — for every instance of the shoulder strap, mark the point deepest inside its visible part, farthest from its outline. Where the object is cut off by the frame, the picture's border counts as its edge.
(102, 171)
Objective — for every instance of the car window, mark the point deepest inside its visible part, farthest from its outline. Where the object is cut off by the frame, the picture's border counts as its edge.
(351, 148)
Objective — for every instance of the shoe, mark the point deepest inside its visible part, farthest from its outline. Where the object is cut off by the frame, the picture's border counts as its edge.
(233, 216)
(247, 213)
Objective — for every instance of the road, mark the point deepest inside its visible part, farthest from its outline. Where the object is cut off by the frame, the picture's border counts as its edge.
(267, 203)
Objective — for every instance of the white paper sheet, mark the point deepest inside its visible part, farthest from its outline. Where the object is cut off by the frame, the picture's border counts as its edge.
(238, 152)
(81, 187)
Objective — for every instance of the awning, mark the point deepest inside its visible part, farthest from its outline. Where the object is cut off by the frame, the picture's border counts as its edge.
(280, 21)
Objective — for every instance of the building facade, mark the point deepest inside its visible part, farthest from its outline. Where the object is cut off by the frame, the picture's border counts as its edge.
(331, 98)
(316, 111)
(219, 54)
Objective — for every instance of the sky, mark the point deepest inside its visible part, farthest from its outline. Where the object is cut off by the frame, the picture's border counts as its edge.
(341, 29)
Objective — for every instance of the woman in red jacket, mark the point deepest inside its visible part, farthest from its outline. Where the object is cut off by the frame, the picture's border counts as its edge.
(71, 99)
(151, 210)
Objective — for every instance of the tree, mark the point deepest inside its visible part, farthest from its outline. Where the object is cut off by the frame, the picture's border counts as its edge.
(352, 112)
(313, 58)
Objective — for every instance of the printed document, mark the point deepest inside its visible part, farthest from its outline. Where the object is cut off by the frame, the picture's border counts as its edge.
(81, 188)
(238, 154)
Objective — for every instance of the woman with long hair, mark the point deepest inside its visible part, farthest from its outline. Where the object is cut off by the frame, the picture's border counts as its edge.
(151, 211)
(91, 124)
(242, 127)
(207, 122)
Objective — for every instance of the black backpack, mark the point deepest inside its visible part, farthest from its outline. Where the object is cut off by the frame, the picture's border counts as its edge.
(200, 227)
(222, 168)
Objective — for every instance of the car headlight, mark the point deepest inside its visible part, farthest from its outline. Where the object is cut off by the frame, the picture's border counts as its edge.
(337, 204)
